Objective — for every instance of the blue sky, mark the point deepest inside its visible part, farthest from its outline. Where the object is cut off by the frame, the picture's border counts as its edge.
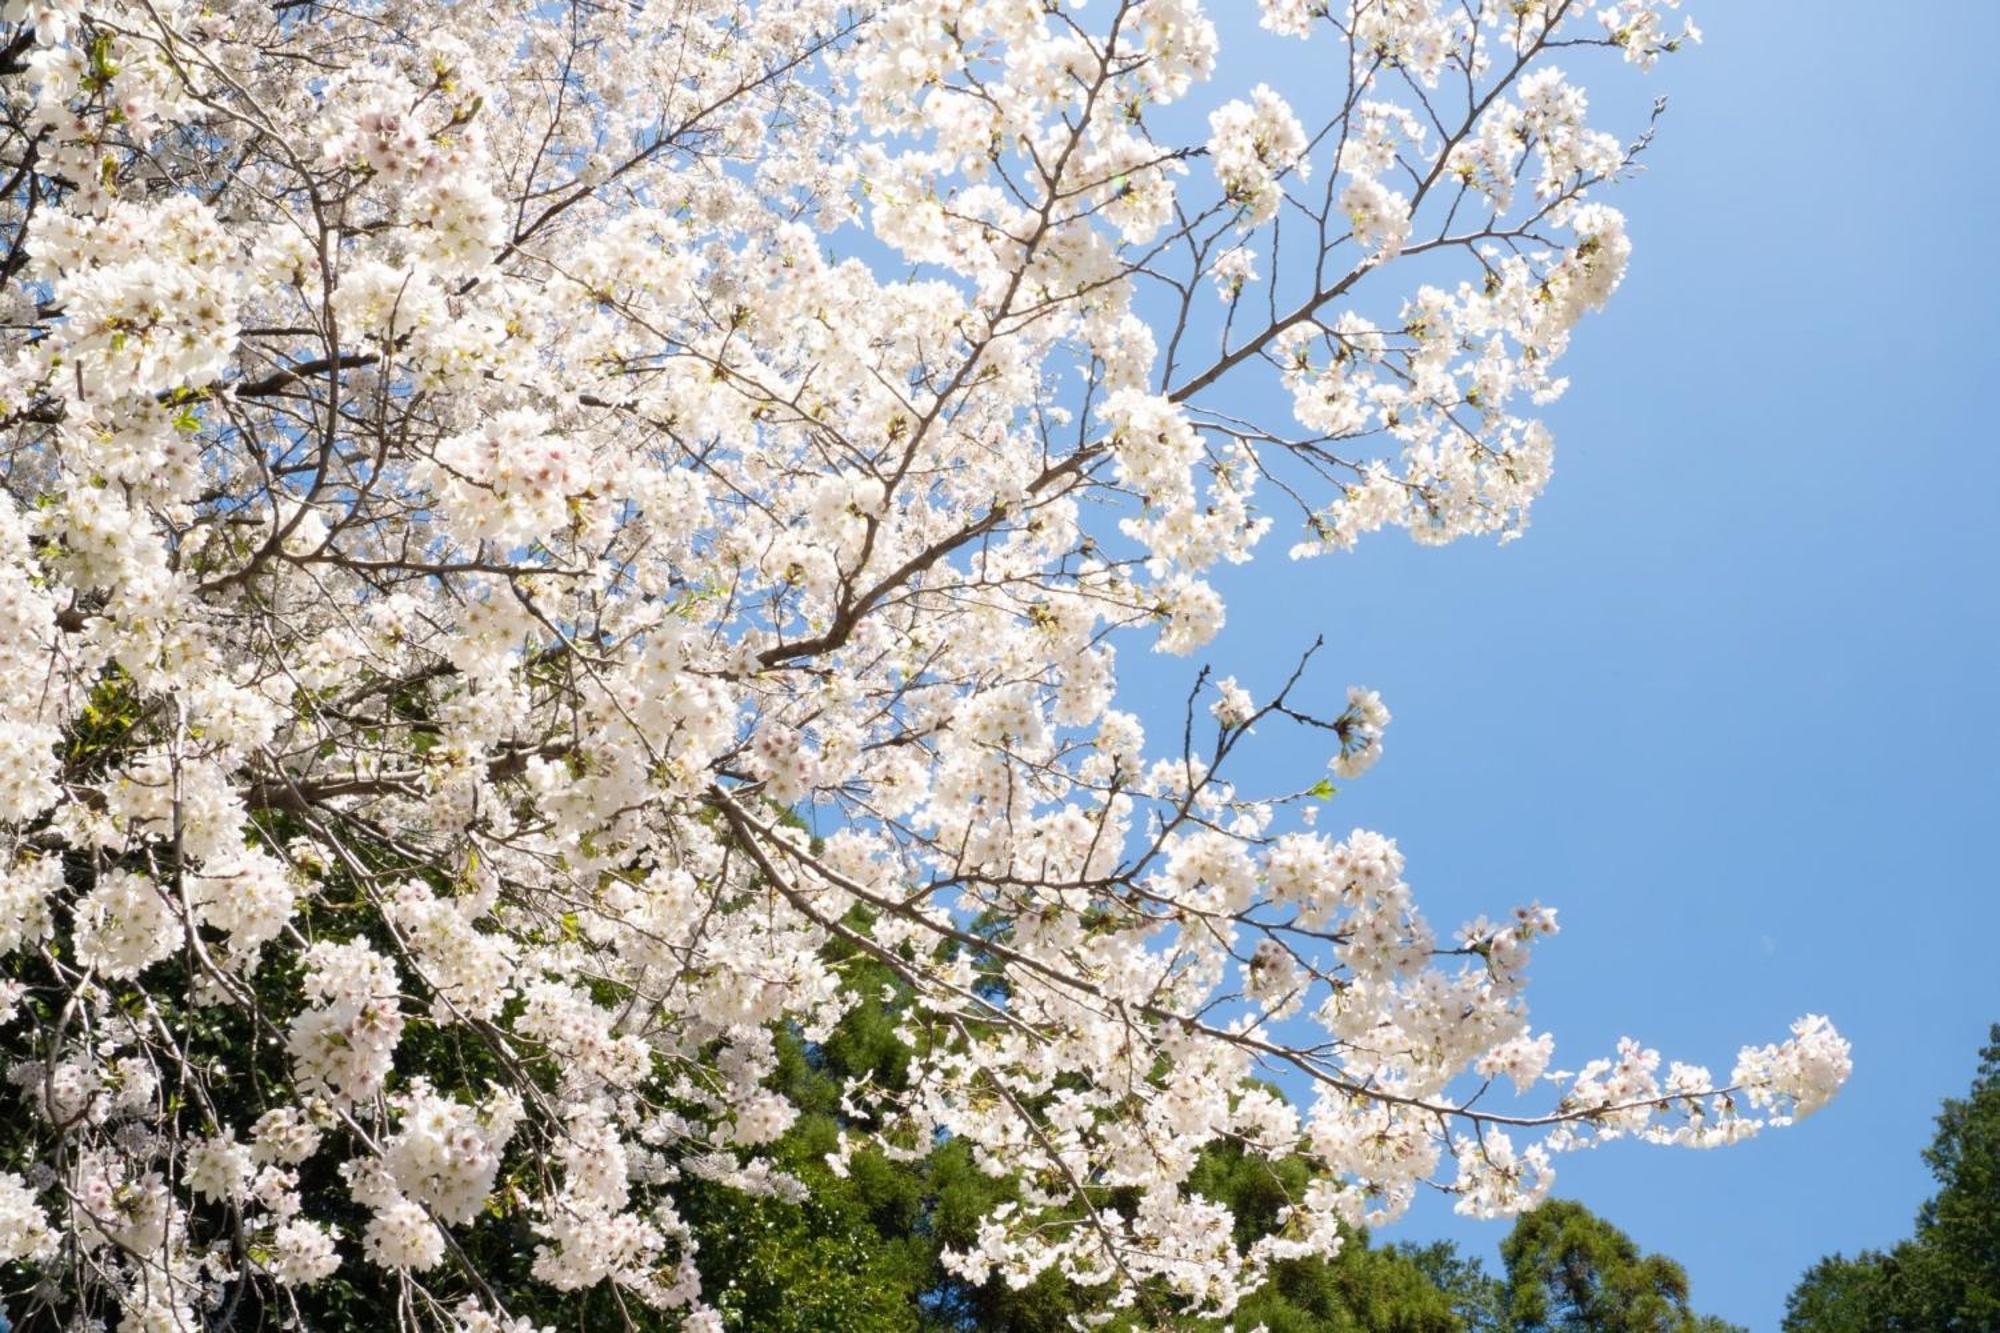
(1730, 703)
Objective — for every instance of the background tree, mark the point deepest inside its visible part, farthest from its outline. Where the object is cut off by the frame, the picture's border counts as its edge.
(1570, 1271)
(864, 1252)
(1946, 1277)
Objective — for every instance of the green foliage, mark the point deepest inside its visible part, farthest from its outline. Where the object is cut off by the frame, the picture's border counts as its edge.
(1477, 1298)
(863, 1251)
(1946, 1277)
(1859, 1295)
(1570, 1271)
(1361, 1290)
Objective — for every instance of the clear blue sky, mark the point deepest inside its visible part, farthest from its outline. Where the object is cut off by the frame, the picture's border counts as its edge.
(1730, 704)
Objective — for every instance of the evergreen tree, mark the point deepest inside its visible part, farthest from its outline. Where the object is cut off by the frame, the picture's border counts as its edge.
(862, 1253)
(1570, 1271)
(1946, 1277)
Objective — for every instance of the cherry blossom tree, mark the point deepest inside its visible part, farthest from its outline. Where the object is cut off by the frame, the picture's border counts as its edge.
(475, 475)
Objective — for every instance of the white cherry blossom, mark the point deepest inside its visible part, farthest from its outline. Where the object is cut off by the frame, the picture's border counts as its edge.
(530, 544)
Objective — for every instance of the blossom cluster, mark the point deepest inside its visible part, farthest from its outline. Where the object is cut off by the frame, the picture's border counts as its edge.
(533, 539)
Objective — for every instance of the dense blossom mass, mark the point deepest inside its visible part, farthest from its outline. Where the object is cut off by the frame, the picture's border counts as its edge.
(539, 537)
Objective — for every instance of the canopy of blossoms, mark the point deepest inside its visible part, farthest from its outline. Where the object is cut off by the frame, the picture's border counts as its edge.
(475, 473)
